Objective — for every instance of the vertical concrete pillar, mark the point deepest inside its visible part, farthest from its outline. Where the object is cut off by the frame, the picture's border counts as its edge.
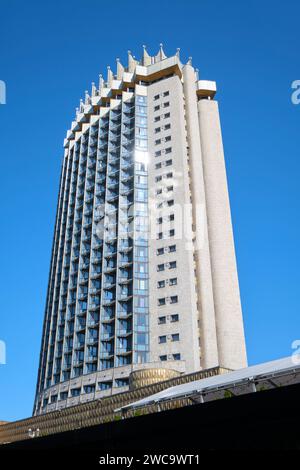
(230, 331)
(208, 336)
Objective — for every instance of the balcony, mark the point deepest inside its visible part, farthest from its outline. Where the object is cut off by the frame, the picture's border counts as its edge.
(124, 351)
(92, 341)
(107, 318)
(107, 336)
(106, 354)
(107, 302)
(91, 358)
(124, 332)
(78, 362)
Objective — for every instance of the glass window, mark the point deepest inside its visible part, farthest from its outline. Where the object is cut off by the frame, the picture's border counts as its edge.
(174, 317)
(105, 385)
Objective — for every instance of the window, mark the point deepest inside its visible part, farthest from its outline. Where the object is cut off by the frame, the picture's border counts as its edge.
(174, 299)
(170, 188)
(89, 388)
(75, 392)
(176, 357)
(161, 284)
(160, 251)
(105, 385)
(158, 141)
(158, 153)
(168, 138)
(172, 265)
(158, 178)
(163, 358)
(173, 281)
(161, 301)
(53, 399)
(157, 166)
(171, 217)
(170, 202)
(174, 318)
(121, 382)
(161, 320)
(169, 175)
(166, 93)
(167, 126)
(168, 150)
(160, 267)
(157, 119)
(157, 130)
(162, 339)
(171, 233)
(158, 191)
(168, 162)
(172, 248)
(63, 395)
(175, 337)
(156, 97)
(159, 236)
(166, 104)
(156, 108)
(167, 115)
(159, 220)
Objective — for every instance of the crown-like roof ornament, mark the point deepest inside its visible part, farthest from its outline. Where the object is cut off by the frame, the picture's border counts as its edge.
(94, 89)
(110, 76)
(81, 105)
(120, 69)
(131, 62)
(101, 81)
(147, 60)
(160, 55)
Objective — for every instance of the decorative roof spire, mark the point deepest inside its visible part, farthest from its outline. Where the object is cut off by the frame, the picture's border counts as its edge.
(146, 57)
(81, 105)
(131, 62)
(189, 62)
(120, 70)
(94, 89)
(110, 76)
(178, 52)
(161, 55)
(101, 81)
(86, 100)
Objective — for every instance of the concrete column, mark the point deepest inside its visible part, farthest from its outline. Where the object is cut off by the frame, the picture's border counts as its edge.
(207, 324)
(229, 321)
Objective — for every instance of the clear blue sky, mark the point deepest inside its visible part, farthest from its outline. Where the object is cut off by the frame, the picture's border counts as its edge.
(50, 52)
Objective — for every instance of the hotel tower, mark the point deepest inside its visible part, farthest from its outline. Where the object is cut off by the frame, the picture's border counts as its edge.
(143, 275)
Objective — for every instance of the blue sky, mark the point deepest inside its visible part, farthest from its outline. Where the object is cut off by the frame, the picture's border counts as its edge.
(50, 52)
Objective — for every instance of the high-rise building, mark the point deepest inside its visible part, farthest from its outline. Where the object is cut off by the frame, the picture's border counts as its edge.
(143, 271)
